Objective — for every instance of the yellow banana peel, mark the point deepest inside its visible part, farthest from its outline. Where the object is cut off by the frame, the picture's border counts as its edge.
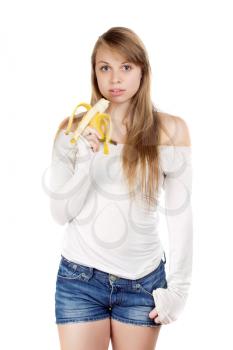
(96, 118)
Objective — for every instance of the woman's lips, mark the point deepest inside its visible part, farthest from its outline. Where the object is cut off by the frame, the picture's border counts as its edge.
(116, 92)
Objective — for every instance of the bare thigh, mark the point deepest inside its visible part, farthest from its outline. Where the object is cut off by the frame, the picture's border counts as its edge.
(91, 335)
(133, 337)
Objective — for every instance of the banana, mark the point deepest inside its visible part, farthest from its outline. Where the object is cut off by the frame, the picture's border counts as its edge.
(94, 118)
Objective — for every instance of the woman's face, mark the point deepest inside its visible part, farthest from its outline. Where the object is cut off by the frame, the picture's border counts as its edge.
(113, 71)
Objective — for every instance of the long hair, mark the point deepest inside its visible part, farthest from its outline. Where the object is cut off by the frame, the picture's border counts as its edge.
(140, 155)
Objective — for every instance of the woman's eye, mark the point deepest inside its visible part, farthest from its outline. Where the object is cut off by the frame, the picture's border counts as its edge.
(127, 65)
(103, 67)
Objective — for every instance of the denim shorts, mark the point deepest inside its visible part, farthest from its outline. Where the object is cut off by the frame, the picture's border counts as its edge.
(85, 293)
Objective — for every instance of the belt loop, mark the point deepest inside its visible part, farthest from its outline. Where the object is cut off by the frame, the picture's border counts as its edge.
(164, 257)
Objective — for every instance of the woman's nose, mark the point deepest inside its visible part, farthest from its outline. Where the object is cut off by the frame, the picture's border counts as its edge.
(115, 78)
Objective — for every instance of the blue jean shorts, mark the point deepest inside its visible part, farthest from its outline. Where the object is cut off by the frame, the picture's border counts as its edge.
(85, 293)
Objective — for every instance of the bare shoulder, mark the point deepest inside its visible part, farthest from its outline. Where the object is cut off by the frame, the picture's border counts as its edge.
(174, 130)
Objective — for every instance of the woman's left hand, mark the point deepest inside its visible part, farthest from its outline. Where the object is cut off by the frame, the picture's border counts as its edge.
(154, 315)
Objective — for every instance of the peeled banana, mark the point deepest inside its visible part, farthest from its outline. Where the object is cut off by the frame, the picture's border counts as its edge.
(94, 118)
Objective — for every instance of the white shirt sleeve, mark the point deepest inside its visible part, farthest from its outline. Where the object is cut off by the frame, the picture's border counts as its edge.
(177, 167)
(69, 180)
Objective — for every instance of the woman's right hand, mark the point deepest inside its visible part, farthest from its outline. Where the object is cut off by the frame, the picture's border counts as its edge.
(92, 136)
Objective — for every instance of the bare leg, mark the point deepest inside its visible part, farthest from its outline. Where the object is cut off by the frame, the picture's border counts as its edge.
(91, 335)
(133, 337)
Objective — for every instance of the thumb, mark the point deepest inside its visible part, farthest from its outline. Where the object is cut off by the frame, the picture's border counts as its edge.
(153, 313)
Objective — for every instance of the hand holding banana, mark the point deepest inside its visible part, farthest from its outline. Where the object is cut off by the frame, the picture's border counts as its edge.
(92, 124)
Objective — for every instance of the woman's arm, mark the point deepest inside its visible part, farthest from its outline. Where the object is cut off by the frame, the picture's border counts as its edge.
(69, 177)
(170, 301)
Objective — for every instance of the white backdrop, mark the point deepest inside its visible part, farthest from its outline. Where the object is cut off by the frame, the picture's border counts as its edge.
(45, 71)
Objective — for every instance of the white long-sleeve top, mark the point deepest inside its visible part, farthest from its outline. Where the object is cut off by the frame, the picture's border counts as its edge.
(109, 231)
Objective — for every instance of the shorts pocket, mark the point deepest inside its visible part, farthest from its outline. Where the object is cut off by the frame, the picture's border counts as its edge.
(156, 279)
(71, 270)
(149, 289)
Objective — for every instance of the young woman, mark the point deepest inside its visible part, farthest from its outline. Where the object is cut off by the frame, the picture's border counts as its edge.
(111, 282)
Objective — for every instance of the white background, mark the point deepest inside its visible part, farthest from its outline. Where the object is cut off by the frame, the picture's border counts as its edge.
(44, 72)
